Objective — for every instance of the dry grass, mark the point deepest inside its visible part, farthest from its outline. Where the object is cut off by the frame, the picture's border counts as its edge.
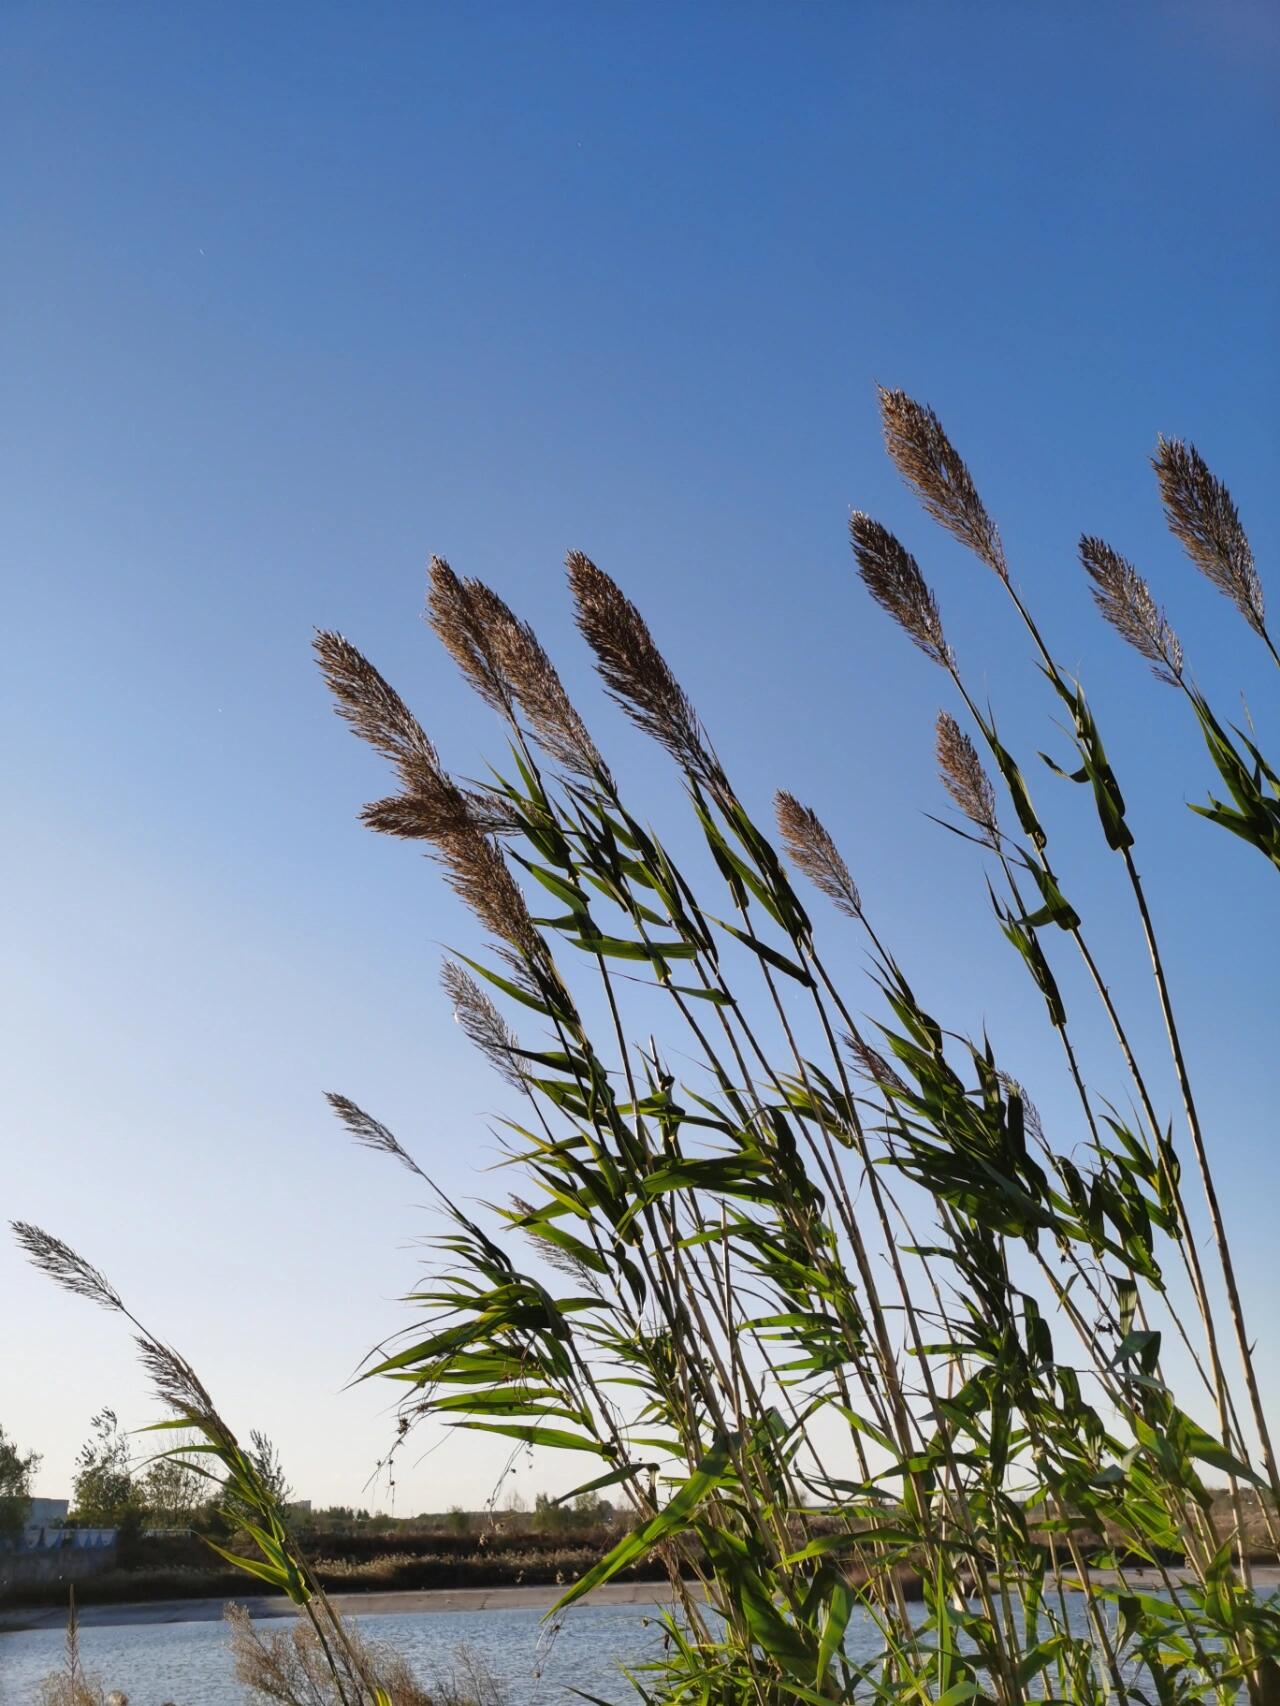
(329, 1663)
(70, 1686)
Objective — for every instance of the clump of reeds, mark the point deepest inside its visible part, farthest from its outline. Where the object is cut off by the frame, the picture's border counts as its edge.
(742, 1268)
(305, 1664)
(802, 1275)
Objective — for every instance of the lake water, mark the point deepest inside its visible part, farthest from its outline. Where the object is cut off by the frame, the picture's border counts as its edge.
(190, 1663)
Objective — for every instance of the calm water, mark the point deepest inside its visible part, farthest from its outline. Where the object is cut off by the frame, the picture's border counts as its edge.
(189, 1663)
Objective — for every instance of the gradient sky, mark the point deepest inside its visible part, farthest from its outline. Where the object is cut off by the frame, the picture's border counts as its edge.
(294, 295)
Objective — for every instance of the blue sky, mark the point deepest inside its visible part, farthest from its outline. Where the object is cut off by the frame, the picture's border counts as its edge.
(296, 295)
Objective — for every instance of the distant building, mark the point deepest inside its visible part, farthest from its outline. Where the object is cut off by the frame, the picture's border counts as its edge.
(47, 1513)
(46, 1528)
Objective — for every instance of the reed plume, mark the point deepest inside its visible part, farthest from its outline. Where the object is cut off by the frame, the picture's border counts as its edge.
(372, 706)
(179, 1387)
(813, 851)
(482, 1024)
(892, 576)
(635, 671)
(461, 614)
(964, 777)
(931, 466)
(872, 1063)
(62, 1264)
(507, 664)
(1124, 598)
(432, 807)
(370, 1132)
(1201, 513)
(564, 1261)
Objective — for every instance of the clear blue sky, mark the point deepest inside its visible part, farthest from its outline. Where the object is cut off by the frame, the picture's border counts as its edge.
(294, 295)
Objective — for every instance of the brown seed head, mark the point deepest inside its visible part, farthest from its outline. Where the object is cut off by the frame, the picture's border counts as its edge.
(62, 1264)
(482, 1024)
(517, 657)
(892, 576)
(554, 1255)
(180, 1388)
(460, 612)
(1124, 598)
(373, 708)
(370, 1132)
(635, 671)
(478, 875)
(432, 807)
(929, 463)
(815, 853)
(1201, 513)
(964, 777)
(872, 1063)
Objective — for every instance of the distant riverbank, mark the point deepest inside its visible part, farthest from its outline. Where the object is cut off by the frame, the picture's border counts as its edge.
(539, 1596)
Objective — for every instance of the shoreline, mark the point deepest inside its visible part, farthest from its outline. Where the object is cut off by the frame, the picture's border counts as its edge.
(536, 1596)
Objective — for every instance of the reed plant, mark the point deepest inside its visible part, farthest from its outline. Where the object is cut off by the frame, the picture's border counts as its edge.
(821, 1298)
(828, 1301)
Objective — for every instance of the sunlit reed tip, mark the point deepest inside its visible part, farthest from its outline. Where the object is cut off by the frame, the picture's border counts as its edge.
(1201, 513)
(964, 777)
(1124, 598)
(931, 466)
(815, 853)
(892, 576)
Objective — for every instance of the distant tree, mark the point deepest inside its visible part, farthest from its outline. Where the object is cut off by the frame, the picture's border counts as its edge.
(266, 1461)
(173, 1491)
(588, 1510)
(104, 1489)
(457, 1521)
(16, 1471)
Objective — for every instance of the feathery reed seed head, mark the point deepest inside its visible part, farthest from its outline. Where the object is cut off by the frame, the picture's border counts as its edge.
(432, 806)
(634, 670)
(62, 1264)
(370, 1132)
(931, 466)
(814, 852)
(554, 1255)
(481, 1023)
(872, 1063)
(460, 613)
(506, 661)
(179, 1388)
(1200, 512)
(964, 777)
(1124, 598)
(892, 576)
(373, 708)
